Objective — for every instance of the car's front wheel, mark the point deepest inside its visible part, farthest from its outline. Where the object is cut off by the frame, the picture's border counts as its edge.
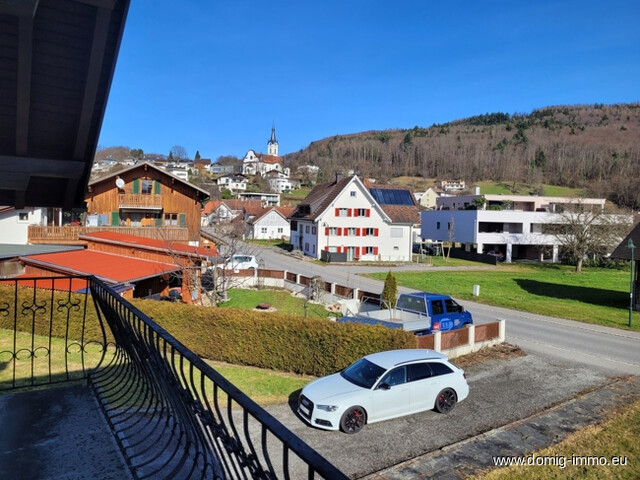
(353, 419)
(446, 400)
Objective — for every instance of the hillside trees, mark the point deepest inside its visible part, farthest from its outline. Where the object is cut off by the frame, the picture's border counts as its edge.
(581, 146)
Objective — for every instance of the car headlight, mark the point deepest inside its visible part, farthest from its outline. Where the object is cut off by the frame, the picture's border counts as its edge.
(328, 408)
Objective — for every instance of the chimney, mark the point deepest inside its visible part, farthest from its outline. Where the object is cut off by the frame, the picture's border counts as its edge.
(339, 176)
(477, 190)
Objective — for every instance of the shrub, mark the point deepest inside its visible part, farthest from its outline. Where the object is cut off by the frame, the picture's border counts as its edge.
(287, 343)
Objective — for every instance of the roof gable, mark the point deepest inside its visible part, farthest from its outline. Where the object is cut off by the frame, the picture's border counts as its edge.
(202, 194)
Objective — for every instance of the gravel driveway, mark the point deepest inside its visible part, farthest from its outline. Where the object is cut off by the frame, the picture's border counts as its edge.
(501, 392)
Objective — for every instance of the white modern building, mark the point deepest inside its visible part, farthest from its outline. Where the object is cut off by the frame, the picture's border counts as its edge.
(523, 229)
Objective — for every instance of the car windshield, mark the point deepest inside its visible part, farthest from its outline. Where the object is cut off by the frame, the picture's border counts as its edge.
(363, 373)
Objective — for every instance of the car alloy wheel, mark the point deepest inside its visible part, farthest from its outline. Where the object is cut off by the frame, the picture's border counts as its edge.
(353, 419)
(445, 401)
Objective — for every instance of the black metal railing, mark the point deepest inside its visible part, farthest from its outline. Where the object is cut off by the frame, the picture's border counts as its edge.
(49, 332)
(172, 415)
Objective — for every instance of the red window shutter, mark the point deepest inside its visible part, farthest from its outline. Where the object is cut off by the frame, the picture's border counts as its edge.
(326, 231)
(349, 212)
(357, 232)
(339, 231)
(337, 212)
(357, 251)
(355, 212)
(375, 250)
(375, 232)
(326, 248)
(368, 212)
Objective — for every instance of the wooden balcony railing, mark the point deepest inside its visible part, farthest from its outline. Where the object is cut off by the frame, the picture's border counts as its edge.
(69, 234)
(134, 200)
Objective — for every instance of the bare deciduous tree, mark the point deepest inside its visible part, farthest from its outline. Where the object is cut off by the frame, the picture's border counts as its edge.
(584, 229)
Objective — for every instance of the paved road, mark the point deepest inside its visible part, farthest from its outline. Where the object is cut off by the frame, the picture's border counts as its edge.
(611, 350)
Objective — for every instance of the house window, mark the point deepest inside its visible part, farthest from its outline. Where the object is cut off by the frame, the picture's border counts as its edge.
(313, 230)
(147, 187)
(263, 230)
(396, 233)
(370, 232)
(351, 232)
(23, 216)
(171, 219)
(352, 194)
(281, 230)
(361, 212)
(342, 212)
(306, 229)
(333, 231)
(437, 225)
(368, 250)
(306, 247)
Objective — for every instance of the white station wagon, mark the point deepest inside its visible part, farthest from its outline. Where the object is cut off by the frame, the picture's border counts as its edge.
(381, 386)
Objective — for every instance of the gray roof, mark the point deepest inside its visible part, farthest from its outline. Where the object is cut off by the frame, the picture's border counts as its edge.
(9, 250)
(623, 252)
(56, 67)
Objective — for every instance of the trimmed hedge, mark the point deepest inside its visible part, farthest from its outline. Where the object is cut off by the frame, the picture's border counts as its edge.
(49, 312)
(287, 343)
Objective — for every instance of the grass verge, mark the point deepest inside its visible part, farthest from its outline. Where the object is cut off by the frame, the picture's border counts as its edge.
(616, 437)
(597, 295)
(281, 300)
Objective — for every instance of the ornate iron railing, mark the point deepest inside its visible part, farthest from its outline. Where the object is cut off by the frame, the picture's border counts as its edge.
(173, 416)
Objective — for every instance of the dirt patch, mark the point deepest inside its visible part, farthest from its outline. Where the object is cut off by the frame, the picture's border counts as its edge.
(503, 351)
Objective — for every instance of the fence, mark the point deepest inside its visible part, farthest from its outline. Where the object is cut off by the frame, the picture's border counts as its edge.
(172, 415)
(464, 340)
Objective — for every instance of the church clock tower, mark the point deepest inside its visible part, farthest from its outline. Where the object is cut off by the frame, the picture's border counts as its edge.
(272, 144)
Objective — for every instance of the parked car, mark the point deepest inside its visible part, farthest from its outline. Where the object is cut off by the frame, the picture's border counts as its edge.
(496, 253)
(423, 249)
(241, 262)
(382, 386)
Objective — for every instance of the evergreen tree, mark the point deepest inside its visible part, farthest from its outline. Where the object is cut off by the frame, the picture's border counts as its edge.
(390, 291)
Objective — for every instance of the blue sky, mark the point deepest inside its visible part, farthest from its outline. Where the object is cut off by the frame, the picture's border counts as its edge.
(212, 76)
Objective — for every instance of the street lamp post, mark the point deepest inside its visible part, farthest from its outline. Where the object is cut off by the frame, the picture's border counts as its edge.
(632, 247)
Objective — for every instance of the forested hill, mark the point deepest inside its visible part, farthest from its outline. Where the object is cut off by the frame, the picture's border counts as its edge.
(595, 147)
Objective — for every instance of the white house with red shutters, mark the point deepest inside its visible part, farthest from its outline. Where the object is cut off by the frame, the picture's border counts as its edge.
(361, 220)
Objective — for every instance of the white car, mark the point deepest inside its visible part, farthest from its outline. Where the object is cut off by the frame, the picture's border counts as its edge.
(241, 262)
(381, 386)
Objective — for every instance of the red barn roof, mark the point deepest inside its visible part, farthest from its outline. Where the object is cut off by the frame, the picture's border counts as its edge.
(106, 266)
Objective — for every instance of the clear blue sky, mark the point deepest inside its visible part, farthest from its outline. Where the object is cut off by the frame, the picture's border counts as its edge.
(212, 76)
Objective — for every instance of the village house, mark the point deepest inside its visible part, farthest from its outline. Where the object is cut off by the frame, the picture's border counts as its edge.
(269, 223)
(147, 196)
(349, 219)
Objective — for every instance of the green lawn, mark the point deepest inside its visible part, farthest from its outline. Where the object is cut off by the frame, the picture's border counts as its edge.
(598, 295)
(264, 387)
(281, 300)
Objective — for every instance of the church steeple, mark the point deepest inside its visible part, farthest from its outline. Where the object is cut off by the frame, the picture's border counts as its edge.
(272, 144)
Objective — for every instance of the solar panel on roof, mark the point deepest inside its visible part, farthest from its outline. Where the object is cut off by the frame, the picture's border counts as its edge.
(387, 196)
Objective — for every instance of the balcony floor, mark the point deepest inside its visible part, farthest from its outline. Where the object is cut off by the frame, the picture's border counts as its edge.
(57, 433)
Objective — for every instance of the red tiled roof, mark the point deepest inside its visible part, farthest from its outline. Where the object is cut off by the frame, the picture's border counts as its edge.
(270, 158)
(109, 267)
(210, 207)
(174, 248)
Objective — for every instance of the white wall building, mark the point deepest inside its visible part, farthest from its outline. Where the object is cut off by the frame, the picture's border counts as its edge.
(360, 221)
(233, 183)
(270, 224)
(14, 223)
(524, 232)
